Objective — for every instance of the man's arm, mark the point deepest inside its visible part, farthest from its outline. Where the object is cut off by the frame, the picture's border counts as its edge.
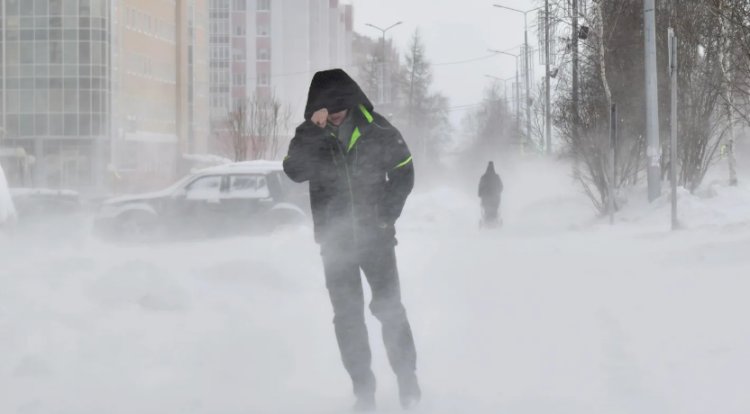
(400, 175)
(302, 157)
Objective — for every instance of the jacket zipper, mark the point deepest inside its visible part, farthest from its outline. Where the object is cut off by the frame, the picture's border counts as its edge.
(349, 185)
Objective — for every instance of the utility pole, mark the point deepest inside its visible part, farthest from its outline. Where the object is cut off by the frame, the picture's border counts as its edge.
(574, 82)
(505, 87)
(612, 161)
(726, 65)
(518, 106)
(383, 90)
(526, 68)
(673, 125)
(652, 102)
(547, 105)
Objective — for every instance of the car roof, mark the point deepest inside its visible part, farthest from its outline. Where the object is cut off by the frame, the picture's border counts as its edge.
(22, 191)
(244, 167)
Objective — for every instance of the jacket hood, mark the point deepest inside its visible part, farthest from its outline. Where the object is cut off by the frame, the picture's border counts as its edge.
(336, 91)
(490, 168)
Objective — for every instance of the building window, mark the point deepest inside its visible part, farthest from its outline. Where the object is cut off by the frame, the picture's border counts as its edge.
(264, 54)
(238, 79)
(240, 5)
(238, 54)
(263, 30)
(264, 5)
(239, 30)
(264, 79)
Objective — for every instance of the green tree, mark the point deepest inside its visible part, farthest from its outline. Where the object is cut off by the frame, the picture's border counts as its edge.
(425, 113)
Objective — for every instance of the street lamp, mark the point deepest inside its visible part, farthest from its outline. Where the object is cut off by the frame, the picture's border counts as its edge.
(382, 88)
(526, 61)
(505, 85)
(518, 90)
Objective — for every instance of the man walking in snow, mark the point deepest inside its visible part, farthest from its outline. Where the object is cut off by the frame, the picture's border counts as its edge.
(360, 173)
(490, 190)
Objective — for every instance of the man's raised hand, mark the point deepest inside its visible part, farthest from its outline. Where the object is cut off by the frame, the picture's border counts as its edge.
(320, 117)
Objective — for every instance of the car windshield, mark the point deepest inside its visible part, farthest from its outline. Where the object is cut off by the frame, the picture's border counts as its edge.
(180, 184)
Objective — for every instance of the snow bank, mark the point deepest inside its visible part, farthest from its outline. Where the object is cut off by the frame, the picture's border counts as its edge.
(440, 208)
(714, 205)
(7, 210)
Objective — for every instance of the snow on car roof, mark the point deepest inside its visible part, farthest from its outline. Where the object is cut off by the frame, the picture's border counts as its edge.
(22, 191)
(253, 167)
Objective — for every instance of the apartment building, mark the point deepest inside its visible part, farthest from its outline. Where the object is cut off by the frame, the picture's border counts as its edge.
(264, 48)
(104, 92)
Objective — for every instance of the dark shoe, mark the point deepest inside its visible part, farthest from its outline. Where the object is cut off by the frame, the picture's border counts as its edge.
(408, 390)
(365, 403)
(364, 390)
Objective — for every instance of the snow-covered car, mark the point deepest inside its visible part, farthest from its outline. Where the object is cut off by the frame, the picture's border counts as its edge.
(33, 203)
(238, 198)
(7, 210)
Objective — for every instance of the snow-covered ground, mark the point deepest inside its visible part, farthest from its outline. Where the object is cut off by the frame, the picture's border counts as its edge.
(557, 312)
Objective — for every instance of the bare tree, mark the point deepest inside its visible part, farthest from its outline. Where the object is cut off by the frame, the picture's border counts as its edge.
(701, 121)
(255, 127)
(611, 71)
(237, 133)
(585, 131)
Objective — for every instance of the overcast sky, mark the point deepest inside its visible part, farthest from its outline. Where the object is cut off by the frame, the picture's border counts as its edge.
(454, 30)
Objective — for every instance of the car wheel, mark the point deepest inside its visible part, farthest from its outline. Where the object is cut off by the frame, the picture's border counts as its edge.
(285, 218)
(137, 227)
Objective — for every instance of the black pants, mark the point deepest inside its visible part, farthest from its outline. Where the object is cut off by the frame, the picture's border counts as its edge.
(490, 206)
(344, 283)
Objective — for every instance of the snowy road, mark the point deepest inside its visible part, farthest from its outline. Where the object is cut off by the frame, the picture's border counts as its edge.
(557, 313)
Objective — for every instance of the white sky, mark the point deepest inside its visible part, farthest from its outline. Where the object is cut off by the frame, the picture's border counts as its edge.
(454, 30)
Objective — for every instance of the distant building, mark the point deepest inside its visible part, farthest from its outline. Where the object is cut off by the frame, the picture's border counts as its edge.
(264, 47)
(159, 86)
(104, 92)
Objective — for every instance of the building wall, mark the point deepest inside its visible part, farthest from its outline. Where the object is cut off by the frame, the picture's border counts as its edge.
(192, 76)
(220, 58)
(55, 86)
(285, 43)
(200, 61)
(104, 91)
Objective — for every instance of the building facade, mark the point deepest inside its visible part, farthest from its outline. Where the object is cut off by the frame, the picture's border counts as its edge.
(159, 88)
(55, 86)
(272, 48)
(104, 93)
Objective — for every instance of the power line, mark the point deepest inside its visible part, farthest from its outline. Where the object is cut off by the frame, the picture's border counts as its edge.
(457, 62)
(462, 107)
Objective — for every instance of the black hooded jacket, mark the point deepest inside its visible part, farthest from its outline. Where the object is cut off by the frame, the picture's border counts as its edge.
(357, 190)
(490, 185)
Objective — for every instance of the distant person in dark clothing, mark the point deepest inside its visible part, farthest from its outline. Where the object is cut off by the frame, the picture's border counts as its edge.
(490, 190)
(360, 173)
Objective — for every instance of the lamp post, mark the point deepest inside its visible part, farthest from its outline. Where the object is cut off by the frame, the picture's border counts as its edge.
(518, 92)
(383, 89)
(652, 101)
(526, 62)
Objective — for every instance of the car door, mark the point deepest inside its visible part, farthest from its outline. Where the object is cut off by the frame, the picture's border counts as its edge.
(201, 207)
(245, 200)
